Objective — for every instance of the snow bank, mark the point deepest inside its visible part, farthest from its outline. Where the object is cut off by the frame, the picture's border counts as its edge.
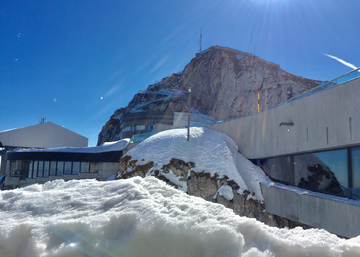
(143, 217)
(210, 150)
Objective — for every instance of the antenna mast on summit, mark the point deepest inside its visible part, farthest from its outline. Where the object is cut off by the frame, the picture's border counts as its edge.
(200, 40)
(251, 43)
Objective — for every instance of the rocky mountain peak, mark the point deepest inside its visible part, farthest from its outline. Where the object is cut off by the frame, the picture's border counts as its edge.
(224, 83)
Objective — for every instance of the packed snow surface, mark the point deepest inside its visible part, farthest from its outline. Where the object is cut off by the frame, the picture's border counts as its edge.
(143, 217)
(210, 150)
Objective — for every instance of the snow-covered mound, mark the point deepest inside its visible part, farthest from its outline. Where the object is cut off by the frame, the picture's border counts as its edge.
(143, 218)
(210, 150)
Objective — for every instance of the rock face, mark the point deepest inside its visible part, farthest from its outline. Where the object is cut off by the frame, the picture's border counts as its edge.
(224, 83)
(205, 186)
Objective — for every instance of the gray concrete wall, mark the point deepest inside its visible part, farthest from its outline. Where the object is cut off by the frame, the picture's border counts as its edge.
(339, 217)
(325, 120)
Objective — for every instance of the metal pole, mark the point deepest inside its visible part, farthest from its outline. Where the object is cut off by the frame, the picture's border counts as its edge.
(188, 132)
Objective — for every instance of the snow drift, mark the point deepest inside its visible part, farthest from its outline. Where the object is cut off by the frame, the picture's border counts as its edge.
(143, 217)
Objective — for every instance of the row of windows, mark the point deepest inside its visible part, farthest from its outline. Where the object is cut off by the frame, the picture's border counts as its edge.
(335, 172)
(36, 169)
(138, 127)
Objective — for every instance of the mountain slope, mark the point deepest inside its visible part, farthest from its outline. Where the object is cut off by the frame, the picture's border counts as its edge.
(224, 83)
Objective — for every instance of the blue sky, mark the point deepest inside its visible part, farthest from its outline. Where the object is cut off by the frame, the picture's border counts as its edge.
(76, 62)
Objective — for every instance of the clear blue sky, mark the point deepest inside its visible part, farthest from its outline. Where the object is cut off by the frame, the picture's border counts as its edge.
(79, 61)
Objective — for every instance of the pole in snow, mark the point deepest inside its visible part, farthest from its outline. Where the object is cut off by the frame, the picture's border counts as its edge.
(188, 132)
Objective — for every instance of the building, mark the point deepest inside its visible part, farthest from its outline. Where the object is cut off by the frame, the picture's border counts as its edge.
(46, 151)
(28, 166)
(310, 146)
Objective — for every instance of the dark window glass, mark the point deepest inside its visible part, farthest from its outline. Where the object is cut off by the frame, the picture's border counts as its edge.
(31, 163)
(60, 169)
(278, 169)
(325, 172)
(53, 168)
(76, 168)
(356, 172)
(67, 170)
(46, 169)
(40, 169)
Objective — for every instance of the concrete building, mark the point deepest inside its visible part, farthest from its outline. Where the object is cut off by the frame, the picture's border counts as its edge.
(312, 142)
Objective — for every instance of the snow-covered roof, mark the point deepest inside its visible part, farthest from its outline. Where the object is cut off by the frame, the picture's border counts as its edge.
(106, 147)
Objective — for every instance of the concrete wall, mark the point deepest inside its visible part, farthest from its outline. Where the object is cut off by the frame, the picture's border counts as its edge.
(339, 217)
(325, 120)
(44, 135)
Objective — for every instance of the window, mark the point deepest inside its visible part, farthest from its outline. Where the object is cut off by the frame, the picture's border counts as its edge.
(356, 172)
(40, 169)
(60, 169)
(76, 168)
(31, 166)
(279, 169)
(84, 167)
(67, 169)
(325, 172)
(53, 168)
(46, 169)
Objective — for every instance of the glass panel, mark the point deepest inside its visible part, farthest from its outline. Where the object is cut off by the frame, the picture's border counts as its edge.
(36, 165)
(40, 169)
(356, 172)
(76, 168)
(324, 172)
(46, 169)
(84, 167)
(53, 168)
(278, 169)
(31, 169)
(67, 170)
(60, 169)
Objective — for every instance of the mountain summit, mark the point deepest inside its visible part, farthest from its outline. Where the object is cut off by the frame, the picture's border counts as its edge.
(224, 83)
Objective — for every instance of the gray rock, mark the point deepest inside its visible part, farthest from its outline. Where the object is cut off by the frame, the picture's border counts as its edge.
(224, 83)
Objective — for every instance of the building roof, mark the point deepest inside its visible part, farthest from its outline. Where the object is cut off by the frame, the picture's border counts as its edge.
(43, 135)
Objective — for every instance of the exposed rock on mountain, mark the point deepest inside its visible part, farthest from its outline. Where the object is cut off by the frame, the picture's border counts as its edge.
(224, 83)
(208, 166)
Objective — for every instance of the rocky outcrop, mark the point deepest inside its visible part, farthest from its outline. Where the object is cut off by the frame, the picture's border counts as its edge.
(205, 186)
(224, 83)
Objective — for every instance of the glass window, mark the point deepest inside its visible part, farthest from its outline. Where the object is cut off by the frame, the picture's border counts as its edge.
(84, 167)
(325, 172)
(356, 172)
(53, 168)
(60, 169)
(76, 168)
(40, 169)
(46, 169)
(278, 169)
(31, 163)
(67, 169)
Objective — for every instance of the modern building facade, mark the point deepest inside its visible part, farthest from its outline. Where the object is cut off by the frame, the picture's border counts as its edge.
(312, 142)
(46, 151)
(28, 166)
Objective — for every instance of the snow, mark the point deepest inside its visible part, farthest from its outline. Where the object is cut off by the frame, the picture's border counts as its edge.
(239, 56)
(143, 217)
(106, 147)
(210, 150)
(226, 192)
